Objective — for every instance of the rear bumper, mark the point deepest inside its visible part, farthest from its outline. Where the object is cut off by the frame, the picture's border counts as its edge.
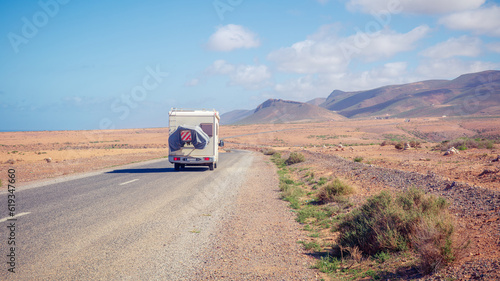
(191, 161)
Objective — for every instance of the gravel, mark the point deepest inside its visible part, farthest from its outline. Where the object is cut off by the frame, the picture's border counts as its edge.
(258, 241)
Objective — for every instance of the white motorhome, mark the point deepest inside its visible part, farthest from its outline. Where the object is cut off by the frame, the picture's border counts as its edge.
(193, 138)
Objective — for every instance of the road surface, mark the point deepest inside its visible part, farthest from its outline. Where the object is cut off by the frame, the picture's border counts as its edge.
(138, 222)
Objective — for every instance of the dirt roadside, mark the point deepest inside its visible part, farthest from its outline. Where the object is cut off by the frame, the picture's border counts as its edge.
(259, 240)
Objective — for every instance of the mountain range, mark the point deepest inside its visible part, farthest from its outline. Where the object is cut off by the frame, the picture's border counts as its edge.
(469, 94)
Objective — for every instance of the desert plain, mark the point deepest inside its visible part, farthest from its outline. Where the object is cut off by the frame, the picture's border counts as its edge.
(39, 155)
(44, 155)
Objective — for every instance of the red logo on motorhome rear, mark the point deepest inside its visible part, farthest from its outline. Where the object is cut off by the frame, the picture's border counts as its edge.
(186, 135)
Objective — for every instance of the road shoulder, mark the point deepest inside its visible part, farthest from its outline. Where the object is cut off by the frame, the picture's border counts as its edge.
(259, 239)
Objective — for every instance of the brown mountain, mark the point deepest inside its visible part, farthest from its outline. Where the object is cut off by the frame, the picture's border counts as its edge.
(316, 101)
(469, 94)
(234, 116)
(284, 111)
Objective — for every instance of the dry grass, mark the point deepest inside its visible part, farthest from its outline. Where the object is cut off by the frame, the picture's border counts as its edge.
(437, 246)
(295, 158)
(334, 191)
(467, 143)
(411, 220)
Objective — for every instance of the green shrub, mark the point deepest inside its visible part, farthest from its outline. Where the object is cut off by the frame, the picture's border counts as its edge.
(290, 191)
(294, 201)
(381, 257)
(327, 264)
(311, 245)
(311, 212)
(322, 181)
(358, 159)
(295, 158)
(400, 145)
(276, 159)
(333, 191)
(467, 143)
(269, 151)
(412, 220)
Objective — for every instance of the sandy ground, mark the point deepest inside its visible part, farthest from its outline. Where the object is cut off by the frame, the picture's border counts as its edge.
(362, 138)
(42, 155)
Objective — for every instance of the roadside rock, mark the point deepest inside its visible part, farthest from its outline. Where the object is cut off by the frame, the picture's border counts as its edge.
(451, 151)
(407, 146)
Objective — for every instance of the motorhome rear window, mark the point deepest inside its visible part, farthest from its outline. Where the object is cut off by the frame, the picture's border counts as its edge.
(207, 128)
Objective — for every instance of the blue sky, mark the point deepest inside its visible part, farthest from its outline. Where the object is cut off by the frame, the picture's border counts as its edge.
(78, 65)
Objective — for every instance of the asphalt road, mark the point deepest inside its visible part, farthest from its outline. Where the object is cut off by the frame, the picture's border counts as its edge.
(140, 222)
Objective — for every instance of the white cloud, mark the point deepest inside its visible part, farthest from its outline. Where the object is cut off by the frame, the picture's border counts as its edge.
(461, 46)
(321, 85)
(312, 86)
(303, 88)
(451, 68)
(329, 54)
(230, 37)
(310, 56)
(386, 43)
(387, 74)
(220, 67)
(192, 82)
(412, 6)
(494, 47)
(251, 76)
(247, 76)
(480, 21)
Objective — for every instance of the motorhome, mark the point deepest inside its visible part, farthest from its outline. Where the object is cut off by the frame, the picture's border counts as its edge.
(193, 138)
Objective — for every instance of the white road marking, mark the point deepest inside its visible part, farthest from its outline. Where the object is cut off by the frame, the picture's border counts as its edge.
(127, 182)
(16, 216)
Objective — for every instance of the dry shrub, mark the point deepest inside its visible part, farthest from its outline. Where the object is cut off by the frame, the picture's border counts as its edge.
(467, 143)
(436, 245)
(415, 144)
(355, 253)
(334, 190)
(388, 142)
(269, 151)
(400, 145)
(412, 220)
(295, 158)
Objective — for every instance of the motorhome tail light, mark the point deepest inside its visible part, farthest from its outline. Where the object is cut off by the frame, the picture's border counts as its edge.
(206, 158)
(177, 159)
